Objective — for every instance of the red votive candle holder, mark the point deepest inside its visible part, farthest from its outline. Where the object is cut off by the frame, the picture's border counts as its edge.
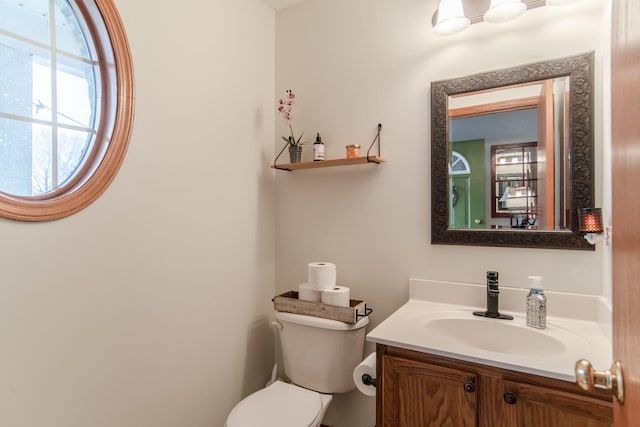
(590, 220)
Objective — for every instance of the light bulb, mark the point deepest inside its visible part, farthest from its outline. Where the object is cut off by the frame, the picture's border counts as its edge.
(451, 18)
(504, 10)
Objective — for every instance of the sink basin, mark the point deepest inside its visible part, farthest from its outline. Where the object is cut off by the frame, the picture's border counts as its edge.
(438, 319)
(497, 336)
(460, 329)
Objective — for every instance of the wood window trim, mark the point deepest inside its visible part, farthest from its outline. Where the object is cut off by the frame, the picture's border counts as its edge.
(494, 107)
(116, 124)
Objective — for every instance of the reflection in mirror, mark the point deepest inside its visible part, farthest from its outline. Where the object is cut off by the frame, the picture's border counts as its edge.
(515, 141)
(512, 155)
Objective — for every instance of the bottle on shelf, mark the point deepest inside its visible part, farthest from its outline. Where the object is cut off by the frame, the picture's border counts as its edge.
(318, 149)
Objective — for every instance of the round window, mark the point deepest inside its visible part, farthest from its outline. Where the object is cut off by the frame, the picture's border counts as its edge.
(66, 105)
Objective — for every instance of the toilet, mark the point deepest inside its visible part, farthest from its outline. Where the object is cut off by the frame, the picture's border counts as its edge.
(319, 358)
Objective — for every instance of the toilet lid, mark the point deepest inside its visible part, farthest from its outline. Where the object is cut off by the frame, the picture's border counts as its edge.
(279, 405)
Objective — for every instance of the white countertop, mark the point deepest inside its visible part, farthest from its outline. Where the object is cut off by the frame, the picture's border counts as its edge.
(579, 322)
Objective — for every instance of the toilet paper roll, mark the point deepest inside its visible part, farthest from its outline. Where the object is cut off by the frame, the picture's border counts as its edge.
(321, 275)
(366, 367)
(305, 293)
(338, 295)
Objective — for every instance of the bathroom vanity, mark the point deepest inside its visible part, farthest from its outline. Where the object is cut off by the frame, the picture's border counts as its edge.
(437, 364)
(420, 389)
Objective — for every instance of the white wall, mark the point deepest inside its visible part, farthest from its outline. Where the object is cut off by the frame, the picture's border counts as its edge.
(360, 62)
(150, 307)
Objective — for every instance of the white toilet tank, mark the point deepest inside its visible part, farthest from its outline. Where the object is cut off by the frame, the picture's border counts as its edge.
(321, 354)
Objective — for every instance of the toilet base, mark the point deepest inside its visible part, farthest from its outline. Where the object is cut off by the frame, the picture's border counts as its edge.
(272, 407)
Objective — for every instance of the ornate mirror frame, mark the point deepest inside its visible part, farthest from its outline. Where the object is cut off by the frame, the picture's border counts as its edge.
(580, 71)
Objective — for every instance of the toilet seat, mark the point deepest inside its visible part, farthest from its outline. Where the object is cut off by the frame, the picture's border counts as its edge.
(279, 405)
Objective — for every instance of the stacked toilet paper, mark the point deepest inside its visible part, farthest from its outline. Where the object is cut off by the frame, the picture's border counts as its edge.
(305, 293)
(321, 275)
(321, 286)
(338, 295)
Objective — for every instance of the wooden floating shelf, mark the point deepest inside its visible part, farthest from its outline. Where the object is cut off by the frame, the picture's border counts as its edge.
(289, 302)
(329, 163)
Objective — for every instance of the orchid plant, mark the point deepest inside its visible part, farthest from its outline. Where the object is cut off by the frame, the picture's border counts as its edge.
(285, 106)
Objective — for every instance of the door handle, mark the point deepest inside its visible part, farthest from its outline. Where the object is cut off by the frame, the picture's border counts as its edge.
(587, 378)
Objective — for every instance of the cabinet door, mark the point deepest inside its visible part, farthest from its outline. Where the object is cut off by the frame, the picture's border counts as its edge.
(419, 394)
(534, 406)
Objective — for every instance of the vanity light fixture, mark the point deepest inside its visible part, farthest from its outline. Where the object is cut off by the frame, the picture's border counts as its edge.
(590, 220)
(451, 17)
(504, 10)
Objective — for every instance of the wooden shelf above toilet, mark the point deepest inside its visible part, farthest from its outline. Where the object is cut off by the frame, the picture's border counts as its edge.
(289, 303)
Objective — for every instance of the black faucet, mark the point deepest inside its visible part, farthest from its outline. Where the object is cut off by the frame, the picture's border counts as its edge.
(493, 292)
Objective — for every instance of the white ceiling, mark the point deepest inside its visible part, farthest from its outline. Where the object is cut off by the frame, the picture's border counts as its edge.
(280, 4)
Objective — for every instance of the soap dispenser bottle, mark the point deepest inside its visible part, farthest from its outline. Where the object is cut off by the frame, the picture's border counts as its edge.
(536, 304)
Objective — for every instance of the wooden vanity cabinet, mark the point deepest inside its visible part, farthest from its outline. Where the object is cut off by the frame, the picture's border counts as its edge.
(417, 389)
(418, 394)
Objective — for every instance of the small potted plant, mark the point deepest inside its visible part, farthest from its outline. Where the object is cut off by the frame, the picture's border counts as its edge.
(285, 106)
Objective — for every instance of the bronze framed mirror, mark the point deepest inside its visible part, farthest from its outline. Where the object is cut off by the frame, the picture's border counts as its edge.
(512, 155)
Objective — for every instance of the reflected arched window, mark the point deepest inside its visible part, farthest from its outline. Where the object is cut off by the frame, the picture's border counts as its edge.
(459, 164)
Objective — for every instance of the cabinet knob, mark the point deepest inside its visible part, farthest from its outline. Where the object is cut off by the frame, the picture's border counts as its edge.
(469, 386)
(510, 398)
